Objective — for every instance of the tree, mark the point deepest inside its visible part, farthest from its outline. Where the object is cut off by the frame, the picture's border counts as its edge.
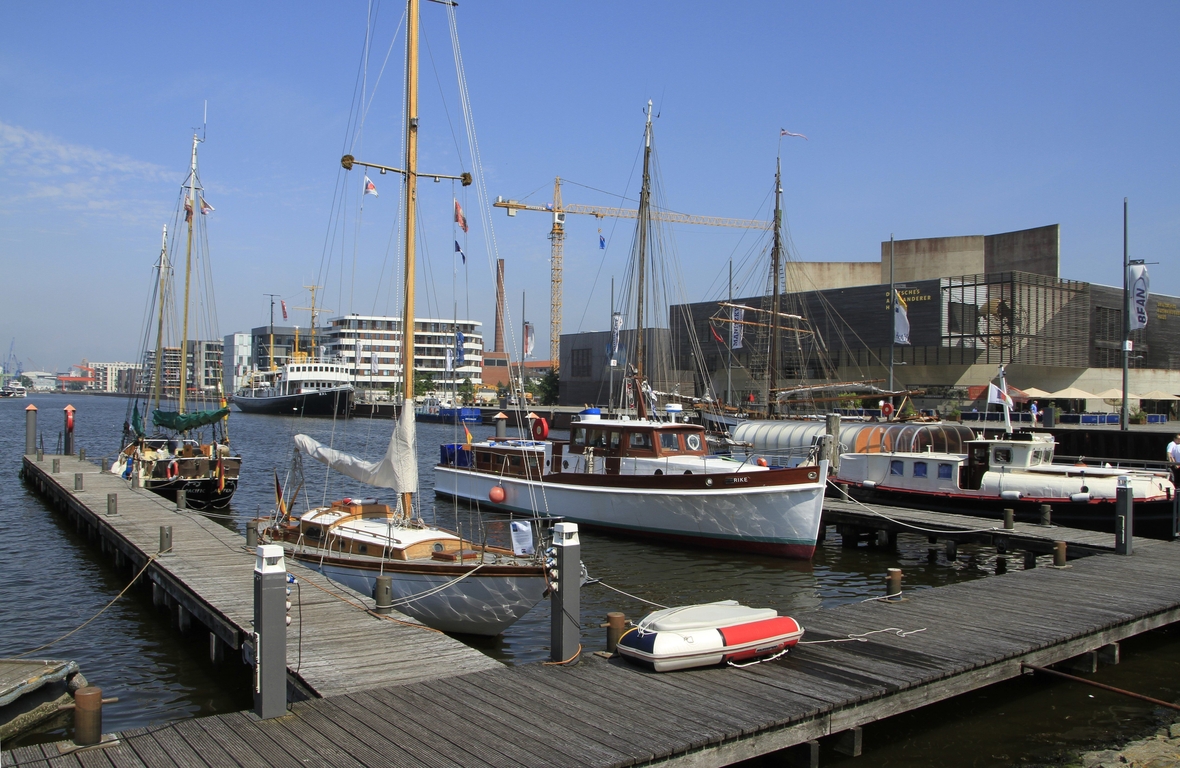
(26, 382)
(547, 387)
(467, 390)
(423, 383)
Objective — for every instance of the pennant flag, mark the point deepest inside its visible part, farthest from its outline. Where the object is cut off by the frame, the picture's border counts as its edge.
(284, 308)
(460, 219)
(459, 251)
(530, 339)
(188, 209)
(468, 432)
(370, 188)
(601, 242)
(716, 335)
(785, 132)
(998, 396)
(205, 207)
(1140, 287)
(737, 330)
(280, 505)
(901, 320)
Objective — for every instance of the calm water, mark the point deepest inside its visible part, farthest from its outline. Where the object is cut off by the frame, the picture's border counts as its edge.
(54, 581)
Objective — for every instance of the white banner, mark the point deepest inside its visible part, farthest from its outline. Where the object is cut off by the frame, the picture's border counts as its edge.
(901, 320)
(736, 329)
(1140, 288)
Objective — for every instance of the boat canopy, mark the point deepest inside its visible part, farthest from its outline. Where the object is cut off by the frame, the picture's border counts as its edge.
(792, 435)
(183, 422)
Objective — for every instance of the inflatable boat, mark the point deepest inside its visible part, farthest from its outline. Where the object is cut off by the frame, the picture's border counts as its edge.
(708, 634)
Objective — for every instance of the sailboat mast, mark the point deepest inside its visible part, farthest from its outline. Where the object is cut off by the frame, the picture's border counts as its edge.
(776, 272)
(159, 373)
(641, 263)
(411, 177)
(188, 268)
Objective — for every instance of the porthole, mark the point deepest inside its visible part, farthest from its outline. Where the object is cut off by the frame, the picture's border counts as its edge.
(313, 532)
(812, 475)
(438, 547)
(709, 482)
(362, 548)
(693, 442)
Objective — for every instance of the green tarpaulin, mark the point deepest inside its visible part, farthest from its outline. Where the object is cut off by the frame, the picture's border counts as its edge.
(182, 422)
(137, 421)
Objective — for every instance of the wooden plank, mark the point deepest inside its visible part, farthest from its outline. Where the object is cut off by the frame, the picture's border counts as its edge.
(382, 734)
(218, 732)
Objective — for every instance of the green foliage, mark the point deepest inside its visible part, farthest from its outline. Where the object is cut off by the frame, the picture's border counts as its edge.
(423, 383)
(26, 382)
(467, 390)
(546, 388)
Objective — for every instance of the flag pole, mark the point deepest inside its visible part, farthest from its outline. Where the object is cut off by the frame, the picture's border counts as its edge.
(1125, 410)
(893, 318)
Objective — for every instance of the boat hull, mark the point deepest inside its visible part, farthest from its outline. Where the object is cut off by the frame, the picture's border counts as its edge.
(487, 602)
(1152, 519)
(765, 517)
(199, 493)
(334, 402)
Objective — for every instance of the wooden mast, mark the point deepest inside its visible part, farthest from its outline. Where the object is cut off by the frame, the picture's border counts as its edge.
(644, 216)
(191, 213)
(772, 368)
(411, 179)
(159, 373)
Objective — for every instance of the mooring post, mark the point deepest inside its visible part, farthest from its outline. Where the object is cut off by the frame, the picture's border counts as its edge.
(1030, 560)
(1059, 552)
(87, 716)
(383, 594)
(251, 535)
(181, 500)
(1009, 519)
(30, 429)
(1175, 514)
(81, 454)
(1124, 518)
(565, 574)
(1001, 566)
(68, 446)
(112, 504)
(616, 625)
(952, 550)
(501, 420)
(78, 481)
(893, 583)
(1046, 515)
(270, 632)
(56, 466)
(832, 429)
(165, 540)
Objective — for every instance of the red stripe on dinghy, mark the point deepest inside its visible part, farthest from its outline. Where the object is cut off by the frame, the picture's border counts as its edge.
(754, 631)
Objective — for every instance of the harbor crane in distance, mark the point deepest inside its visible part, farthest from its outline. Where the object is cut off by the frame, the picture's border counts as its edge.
(557, 238)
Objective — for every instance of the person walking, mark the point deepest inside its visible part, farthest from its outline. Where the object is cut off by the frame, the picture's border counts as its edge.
(1174, 459)
(1033, 410)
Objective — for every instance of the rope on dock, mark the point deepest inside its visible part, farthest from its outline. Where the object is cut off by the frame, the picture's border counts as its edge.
(905, 524)
(621, 592)
(863, 637)
(95, 616)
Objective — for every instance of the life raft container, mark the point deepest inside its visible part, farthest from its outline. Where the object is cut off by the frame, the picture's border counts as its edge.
(708, 634)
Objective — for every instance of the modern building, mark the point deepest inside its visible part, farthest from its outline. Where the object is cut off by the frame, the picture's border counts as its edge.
(589, 375)
(237, 361)
(448, 351)
(107, 376)
(204, 367)
(283, 344)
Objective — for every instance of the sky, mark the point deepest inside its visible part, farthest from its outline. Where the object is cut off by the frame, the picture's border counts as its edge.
(923, 120)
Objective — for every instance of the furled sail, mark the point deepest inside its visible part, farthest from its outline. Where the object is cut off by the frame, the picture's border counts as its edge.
(182, 422)
(398, 469)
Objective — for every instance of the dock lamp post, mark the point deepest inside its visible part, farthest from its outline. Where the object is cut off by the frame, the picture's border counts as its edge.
(270, 632)
(564, 561)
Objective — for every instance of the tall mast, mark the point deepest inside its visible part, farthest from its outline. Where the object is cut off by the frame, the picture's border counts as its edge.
(188, 268)
(411, 177)
(775, 270)
(159, 374)
(272, 329)
(644, 216)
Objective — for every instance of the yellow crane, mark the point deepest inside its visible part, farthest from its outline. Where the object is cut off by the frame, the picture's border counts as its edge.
(557, 236)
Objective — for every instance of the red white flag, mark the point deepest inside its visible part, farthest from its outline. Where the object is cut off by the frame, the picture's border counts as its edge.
(370, 187)
(460, 219)
(284, 308)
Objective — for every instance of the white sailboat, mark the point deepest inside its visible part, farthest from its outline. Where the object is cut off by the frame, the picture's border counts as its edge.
(439, 578)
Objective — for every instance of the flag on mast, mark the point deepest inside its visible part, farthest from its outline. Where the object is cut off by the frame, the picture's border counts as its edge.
(370, 187)
(737, 330)
(1140, 287)
(785, 132)
(530, 339)
(205, 207)
(460, 219)
(284, 304)
(901, 320)
(997, 396)
(459, 251)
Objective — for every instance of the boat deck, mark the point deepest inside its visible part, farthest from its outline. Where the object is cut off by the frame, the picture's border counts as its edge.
(609, 713)
(208, 579)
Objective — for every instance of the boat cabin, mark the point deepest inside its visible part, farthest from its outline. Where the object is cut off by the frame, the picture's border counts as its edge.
(306, 377)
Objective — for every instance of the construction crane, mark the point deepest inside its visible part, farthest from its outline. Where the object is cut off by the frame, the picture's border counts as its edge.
(557, 236)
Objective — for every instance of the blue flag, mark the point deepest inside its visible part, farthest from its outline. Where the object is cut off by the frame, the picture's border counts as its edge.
(459, 251)
(601, 243)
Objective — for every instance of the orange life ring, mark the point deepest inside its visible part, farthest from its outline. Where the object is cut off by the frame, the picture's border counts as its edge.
(173, 470)
(887, 409)
(540, 429)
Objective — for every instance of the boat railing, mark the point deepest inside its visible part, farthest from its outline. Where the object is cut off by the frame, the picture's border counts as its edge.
(1095, 461)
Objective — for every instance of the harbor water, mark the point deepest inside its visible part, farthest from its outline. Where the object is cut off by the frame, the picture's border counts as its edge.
(54, 581)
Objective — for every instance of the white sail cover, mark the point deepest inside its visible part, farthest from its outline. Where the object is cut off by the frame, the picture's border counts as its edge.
(398, 469)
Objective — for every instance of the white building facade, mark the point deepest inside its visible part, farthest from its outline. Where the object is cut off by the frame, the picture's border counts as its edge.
(106, 375)
(237, 351)
(450, 351)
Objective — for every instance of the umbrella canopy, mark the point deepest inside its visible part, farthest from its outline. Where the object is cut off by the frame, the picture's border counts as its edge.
(1155, 394)
(1073, 393)
(1115, 394)
(1034, 392)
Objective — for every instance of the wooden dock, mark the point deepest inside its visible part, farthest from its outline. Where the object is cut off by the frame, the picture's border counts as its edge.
(948, 640)
(207, 581)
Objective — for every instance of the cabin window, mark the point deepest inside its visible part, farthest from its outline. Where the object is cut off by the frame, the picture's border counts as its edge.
(897, 468)
(944, 472)
(693, 442)
(579, 436)
(640, 440)
(1002, 456)
(669, 441)
(615, 437)
(597, 439)
(919, 469)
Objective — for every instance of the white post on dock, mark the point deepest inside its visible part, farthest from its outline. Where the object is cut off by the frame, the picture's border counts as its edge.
(565, 574)
(30, 430)
(1124, 518)
(270, 632)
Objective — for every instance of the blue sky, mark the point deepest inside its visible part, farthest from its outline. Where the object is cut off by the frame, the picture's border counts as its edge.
(923, 120)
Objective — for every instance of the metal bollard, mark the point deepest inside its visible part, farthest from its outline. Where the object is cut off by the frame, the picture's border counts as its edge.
(30, 429)
(501, 420)
(87, 716)
(165, 539)
(40, 454)
(383, 595)
(1046, 515)
(270, 632)
(81, 454)
(78, 481)
(565, 598)
(1124, 518)
(1059, 550)
(112, 504)
(56, 466)
(181, 500)
(1009, 519)
(1030, 560)
(252, 535)
(893, 583)
(616, 625)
